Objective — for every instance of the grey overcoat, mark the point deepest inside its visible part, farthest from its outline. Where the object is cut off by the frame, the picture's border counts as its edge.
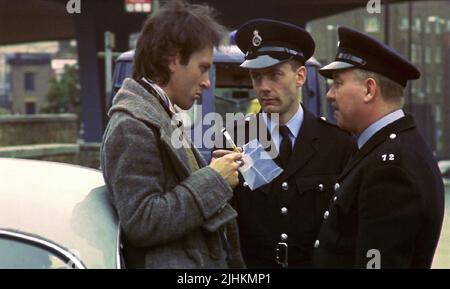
(171, 216)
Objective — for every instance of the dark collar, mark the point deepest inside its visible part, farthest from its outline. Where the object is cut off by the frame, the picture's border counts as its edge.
(402, 124)
(305, 144)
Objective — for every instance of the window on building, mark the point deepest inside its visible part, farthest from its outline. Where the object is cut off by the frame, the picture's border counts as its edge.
(138, 6)
(438, 56)
(30, 107)
(404, 24)
(29, 81)
(417, 25)
(427, 54)
(372, 25)
(414, 88)
(438, 115)
(438, 83)
(438, 27)
(428, 84)
(419, 53)
(427, 27)
(413, 53)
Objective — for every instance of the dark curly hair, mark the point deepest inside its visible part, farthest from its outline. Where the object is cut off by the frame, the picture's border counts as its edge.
(178, 27)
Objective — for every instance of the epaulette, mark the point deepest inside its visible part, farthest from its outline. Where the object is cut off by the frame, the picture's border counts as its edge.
(388, 152)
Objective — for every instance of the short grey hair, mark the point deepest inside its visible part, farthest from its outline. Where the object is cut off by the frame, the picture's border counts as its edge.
(390, 90)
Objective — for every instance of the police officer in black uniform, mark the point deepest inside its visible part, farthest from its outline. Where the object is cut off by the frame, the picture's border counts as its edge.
(388, 205)
(279, 222)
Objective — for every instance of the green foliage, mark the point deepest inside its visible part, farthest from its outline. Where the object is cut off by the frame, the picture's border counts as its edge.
(64, 93)
(4, 111)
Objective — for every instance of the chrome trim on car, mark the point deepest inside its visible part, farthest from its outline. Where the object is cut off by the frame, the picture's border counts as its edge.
(118, 253)
(39, 241)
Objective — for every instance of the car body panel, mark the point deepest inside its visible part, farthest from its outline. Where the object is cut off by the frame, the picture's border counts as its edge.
(65, 204)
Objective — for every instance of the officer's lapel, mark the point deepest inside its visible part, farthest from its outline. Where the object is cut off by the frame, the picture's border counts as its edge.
(381, 136)
(304, 147)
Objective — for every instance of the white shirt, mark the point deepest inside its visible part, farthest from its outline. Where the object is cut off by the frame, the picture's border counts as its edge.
(294, 124)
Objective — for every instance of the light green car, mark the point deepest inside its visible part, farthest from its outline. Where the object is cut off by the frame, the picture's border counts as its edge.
(55, 215)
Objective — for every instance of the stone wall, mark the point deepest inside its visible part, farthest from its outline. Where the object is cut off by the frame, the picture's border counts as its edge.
(89, 155)
(49, 137)
(65, 153)
(38, 129)
(86, 154)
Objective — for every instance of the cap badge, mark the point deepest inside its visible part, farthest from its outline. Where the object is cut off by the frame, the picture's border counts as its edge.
(256, 41)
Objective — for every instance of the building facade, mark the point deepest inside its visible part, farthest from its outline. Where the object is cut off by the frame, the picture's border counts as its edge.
(29, 81)
(420, 31)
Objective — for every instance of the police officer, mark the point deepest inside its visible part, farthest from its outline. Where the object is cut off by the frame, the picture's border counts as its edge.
(388, 204)
(279, 222)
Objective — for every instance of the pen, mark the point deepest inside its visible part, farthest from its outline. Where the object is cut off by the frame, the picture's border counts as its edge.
(230, 140)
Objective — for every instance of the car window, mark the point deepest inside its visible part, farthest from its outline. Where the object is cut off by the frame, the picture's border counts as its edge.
(235, 100)
(233, 90)
(19, 253)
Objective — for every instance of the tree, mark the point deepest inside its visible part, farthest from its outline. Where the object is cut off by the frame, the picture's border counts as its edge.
(64, 93)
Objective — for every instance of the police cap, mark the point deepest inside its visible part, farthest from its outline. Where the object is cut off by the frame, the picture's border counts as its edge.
(358, 50)
(267, 42)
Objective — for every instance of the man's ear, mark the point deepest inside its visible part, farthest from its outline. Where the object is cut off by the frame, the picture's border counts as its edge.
(174, 61)
(301, 76)
(371, 87)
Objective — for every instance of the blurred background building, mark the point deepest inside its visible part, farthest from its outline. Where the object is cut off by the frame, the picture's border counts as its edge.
(26, 71)
(56, 62)
(420, 31)
(29, 81)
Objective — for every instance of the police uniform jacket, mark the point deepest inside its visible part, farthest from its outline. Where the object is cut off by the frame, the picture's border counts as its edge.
(287, 213)
(387, 207)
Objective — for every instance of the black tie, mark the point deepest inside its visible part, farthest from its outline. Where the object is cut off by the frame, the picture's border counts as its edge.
(285, 146)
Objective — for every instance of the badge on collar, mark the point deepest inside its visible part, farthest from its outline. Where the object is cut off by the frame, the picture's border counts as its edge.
(256, 41)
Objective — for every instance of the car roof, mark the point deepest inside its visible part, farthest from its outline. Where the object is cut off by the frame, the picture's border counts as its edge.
(63, 203)
(224, 54)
